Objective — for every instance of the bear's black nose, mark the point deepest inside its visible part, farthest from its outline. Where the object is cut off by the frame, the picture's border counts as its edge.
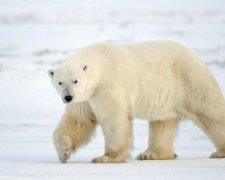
(68, 98)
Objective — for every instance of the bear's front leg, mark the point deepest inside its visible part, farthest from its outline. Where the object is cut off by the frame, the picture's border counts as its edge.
(118, 140)
(76, 128)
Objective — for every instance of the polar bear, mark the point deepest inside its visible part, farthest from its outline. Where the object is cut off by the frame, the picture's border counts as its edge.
(160, 81)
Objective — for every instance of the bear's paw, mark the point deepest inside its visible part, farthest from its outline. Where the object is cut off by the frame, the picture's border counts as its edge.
(151, 155)
(64, 148)
(218, 154)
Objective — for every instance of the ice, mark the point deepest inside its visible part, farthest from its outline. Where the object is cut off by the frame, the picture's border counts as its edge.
(36, 36)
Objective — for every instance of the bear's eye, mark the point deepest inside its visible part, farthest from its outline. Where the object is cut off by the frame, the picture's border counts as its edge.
(60, 83)
(75, 82)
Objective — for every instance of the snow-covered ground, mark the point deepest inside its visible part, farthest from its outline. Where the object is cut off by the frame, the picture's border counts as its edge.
(37, 35)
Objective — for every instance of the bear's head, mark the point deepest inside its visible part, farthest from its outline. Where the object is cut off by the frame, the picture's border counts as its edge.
(71, 81)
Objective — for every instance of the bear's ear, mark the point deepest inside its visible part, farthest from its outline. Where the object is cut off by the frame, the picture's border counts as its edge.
(50, 73)
(85, 67)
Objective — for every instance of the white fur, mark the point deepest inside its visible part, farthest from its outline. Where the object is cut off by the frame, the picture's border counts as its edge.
(161, 81)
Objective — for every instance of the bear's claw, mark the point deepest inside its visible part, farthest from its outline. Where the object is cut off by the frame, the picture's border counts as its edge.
(64, 155)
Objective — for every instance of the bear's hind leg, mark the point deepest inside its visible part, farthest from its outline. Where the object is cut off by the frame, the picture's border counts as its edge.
(215, 129)
(161, 139)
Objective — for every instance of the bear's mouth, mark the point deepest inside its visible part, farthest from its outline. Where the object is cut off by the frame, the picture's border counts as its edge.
(65, 102)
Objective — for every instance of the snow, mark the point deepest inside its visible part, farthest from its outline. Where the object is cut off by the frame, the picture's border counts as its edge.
(36, 35)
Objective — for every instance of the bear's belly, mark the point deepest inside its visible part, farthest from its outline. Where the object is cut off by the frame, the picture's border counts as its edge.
(158, 106)
(156, 114)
